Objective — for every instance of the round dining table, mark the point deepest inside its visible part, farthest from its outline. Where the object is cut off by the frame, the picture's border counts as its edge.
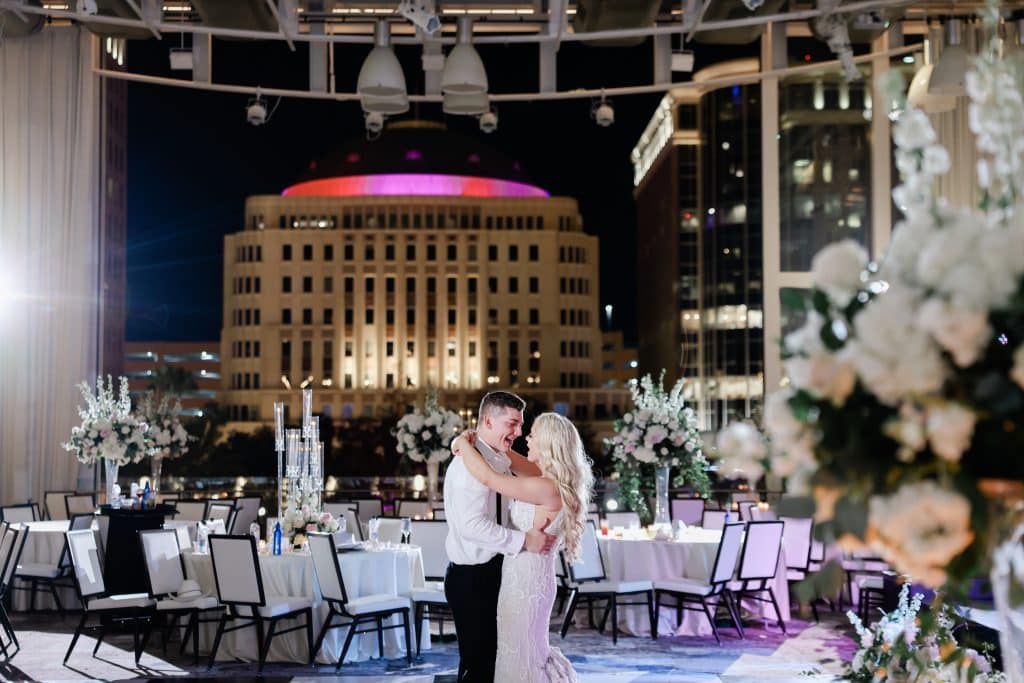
(690, 555)
(392, 570)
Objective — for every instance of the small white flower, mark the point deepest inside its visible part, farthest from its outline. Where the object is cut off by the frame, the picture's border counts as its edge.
(936, 160)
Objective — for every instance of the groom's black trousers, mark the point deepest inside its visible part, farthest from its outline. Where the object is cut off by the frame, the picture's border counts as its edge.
(472, 592)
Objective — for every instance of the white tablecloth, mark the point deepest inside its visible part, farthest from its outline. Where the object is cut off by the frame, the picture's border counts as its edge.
(394, 571)
(44, 545)
(693, 557)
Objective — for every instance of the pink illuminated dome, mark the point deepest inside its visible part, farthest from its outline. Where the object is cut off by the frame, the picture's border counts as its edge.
(415, 158)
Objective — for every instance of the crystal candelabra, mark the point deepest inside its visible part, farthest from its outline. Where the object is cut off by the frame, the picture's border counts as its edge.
(300, 457)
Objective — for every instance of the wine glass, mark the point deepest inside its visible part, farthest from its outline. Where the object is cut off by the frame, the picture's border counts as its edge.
(406, 530)
(374, 526)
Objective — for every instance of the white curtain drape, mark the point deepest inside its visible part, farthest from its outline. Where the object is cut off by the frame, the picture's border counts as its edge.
(49, 254)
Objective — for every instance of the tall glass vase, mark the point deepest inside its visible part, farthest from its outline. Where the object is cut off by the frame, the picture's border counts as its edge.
(432, 477)
(156, 464)
(111, 467)
(661, 510)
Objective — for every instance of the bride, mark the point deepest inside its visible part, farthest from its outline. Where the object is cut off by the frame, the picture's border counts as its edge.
(556, 502)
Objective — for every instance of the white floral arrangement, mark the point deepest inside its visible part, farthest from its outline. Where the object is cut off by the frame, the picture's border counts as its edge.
(742, 450)
(109, 429)
(298, 521)
(166, 433)
(905, 645)
(660, 431)
(426, 437)
(906, 380)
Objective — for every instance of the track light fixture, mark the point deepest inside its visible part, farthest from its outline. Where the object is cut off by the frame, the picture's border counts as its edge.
(256, 110)
(950, 74)
(603, 113)
(381, 84)
(489, 121)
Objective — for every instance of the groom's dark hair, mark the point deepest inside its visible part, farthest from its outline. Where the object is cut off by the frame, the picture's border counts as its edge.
(496, 401)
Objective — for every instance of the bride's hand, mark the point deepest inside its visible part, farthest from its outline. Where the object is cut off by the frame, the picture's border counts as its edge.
(469, 436)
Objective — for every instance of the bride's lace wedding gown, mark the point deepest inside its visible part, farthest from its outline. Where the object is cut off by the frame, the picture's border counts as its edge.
(524, 610)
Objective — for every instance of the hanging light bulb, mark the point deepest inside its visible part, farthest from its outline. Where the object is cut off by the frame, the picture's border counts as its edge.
(950, 73)
(464, 71)
(381, 83)
(918, 95)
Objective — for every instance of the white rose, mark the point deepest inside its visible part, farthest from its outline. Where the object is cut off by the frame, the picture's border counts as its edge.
(627, 418)
(950, 427)
(426, 435)
(836, 270)
(920, 529)
(963, 333)
(892, 355)
(936, 160)
(644, 454)
(913, 130)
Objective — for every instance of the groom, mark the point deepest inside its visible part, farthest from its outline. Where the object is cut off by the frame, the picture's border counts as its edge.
(476, 541)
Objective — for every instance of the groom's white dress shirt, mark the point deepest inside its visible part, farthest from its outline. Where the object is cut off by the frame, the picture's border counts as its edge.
(469, 507)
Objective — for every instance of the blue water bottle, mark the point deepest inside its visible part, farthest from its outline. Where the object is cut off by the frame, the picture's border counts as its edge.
(146, 493)
(726, 516)
(277, 538)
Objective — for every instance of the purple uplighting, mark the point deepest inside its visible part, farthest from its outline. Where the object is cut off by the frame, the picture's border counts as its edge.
(426, 184)
(413, 155)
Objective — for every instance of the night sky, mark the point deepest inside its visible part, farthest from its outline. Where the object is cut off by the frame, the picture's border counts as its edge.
(192, 160)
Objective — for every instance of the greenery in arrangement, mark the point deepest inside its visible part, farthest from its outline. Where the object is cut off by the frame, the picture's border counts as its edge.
(906, 400)
(660, 431)
(909, 644)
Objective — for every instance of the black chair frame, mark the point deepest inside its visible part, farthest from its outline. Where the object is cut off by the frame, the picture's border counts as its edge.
(337, 609)
(609, 597)
(233, 613)
(692, 602)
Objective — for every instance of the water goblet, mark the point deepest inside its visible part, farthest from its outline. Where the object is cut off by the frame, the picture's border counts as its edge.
(374, 526)
(406, 530)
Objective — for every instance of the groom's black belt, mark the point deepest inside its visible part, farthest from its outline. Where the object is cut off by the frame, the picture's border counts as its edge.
(496, 560)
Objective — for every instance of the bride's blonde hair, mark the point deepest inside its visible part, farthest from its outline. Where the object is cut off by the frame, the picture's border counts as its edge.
(563, 459)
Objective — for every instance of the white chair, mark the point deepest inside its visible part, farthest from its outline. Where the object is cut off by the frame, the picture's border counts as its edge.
(690, 594)
(12, 543)
(370, 506)
(713, 519)
(190, 510)
(79, 504)
(184, 537)
(53, 504)
(247, 511)
(136, 608)
(588, 581)
(236, 572)
(50, 575)
(687, 510)
(797, 540)
(368, 610)
(19, 514)
(628, 520)
(759, 563)
(758, 514)
(430, 601)
(222, 510)
(389, 529)
(350, 513)
(165, 568)
(438, 512)
(412, 507)
(746, 510)
(746, 496)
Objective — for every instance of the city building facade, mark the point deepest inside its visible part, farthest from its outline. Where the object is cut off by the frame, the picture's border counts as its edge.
(422, 261)
(145, 361)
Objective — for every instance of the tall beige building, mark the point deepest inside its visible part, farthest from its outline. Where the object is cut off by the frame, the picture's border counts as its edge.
(417, 259)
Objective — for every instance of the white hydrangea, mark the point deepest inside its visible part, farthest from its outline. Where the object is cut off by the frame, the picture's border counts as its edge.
(920, 529)
(963, 333)
(950, 427)
(742, 451)
(427, 437)
(837, 269)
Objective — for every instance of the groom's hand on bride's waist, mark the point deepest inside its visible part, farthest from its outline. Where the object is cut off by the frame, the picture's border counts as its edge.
(537, 541)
